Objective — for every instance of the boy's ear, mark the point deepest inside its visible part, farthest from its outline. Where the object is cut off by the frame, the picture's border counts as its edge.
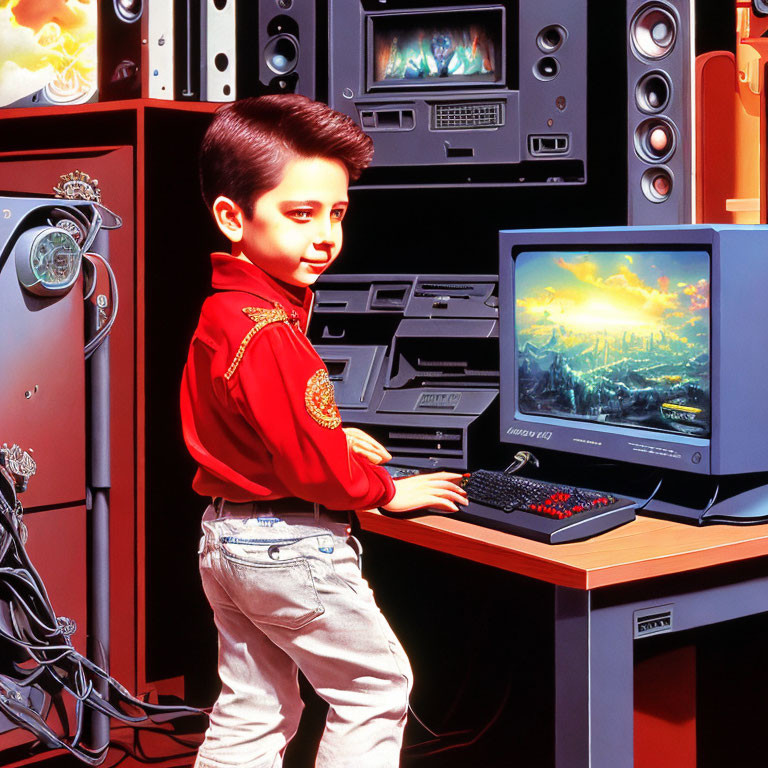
(229, 218)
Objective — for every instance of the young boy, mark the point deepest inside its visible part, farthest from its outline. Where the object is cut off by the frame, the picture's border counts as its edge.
(280, 571)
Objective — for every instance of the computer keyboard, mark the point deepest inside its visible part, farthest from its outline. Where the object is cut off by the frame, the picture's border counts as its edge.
(540, 510)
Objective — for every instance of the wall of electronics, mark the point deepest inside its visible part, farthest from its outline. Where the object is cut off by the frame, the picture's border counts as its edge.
(456, 95)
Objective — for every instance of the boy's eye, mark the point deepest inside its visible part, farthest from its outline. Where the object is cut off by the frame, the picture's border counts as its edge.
(338, 214)
(301, 214)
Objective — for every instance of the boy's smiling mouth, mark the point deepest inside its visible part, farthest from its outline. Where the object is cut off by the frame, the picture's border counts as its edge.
(317, 262)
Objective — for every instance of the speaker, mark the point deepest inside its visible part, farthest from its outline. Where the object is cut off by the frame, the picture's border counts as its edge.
(218, 50)
(553, 81)
(160, 55)
(287, 34)
(660, 131)
(121, 27)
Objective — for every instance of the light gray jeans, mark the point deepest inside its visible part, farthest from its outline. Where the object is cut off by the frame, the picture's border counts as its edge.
(287, 594)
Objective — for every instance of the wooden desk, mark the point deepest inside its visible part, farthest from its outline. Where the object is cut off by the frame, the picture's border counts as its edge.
(646, 577)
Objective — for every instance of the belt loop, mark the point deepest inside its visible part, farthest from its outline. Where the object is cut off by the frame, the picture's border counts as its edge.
(316, 510)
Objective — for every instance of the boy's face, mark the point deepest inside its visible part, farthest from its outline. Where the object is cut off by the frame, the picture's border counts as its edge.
(294, 232)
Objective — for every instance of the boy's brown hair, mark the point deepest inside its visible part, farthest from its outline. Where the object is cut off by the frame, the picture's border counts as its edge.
(249, 142)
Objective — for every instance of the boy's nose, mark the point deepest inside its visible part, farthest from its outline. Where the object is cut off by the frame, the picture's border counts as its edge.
(324, 235)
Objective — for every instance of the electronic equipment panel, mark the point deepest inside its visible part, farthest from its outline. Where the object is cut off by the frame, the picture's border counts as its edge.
(230, 49)
(414, 361)
(49, 267)
(470, 85)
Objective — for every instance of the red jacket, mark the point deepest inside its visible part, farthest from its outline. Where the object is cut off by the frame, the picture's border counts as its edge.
(257, 407)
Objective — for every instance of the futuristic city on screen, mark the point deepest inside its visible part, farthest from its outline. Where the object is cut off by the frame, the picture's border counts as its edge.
(619, 338)
(432, 52)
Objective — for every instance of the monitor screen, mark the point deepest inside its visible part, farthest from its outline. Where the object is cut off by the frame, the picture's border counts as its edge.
(50, 48)
(618, 337)
(436, 48)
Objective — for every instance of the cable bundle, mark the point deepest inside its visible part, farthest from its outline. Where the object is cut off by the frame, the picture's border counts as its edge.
(38, 663)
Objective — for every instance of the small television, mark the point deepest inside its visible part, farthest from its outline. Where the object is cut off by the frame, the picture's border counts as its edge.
(638, 344)
(458, 92)
(435, 49)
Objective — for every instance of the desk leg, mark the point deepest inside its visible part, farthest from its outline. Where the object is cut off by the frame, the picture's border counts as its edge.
(593, 683)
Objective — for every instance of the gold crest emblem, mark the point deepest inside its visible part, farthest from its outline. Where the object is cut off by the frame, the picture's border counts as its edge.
(78, 185)
(320, 402)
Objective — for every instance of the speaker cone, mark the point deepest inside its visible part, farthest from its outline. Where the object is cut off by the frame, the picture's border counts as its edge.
(653, 92)
(656, 184)
(655, 140)
(546, 68)
(653, 31)
(282, 54)
(551, 38)
(128, 10)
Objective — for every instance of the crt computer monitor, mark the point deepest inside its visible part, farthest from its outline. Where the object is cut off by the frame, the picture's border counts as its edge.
(638, 344)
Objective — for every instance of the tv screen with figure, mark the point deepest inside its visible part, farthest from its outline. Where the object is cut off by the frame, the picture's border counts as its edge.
(445, 47)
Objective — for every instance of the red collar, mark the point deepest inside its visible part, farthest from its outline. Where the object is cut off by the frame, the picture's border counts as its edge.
(232, 274)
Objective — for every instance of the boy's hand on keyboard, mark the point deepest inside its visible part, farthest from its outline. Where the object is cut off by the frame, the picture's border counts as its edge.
(364, 445)
(438, 490)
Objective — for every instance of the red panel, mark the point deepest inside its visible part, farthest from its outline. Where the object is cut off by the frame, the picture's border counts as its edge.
(716, 136)
(665, 710)
(37, 172)
(57, 548)
(110, 106)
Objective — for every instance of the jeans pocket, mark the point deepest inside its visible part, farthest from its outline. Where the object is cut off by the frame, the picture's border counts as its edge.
(280, 592)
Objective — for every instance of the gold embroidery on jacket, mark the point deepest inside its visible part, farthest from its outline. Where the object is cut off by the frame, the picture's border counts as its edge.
(320, 402)
(261, 318)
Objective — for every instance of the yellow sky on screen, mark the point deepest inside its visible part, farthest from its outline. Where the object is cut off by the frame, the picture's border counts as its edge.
(607, 294)
(59, 52)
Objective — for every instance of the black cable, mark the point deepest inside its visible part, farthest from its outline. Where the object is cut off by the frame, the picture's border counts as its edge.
(30, 614)
(473, 740)
(482, 609)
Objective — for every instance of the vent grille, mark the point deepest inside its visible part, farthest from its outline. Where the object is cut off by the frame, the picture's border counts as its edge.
(652, 621)
(425, 442)
(450, 116)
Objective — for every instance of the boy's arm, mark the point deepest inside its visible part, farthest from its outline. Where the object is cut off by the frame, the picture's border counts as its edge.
(282, 389)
